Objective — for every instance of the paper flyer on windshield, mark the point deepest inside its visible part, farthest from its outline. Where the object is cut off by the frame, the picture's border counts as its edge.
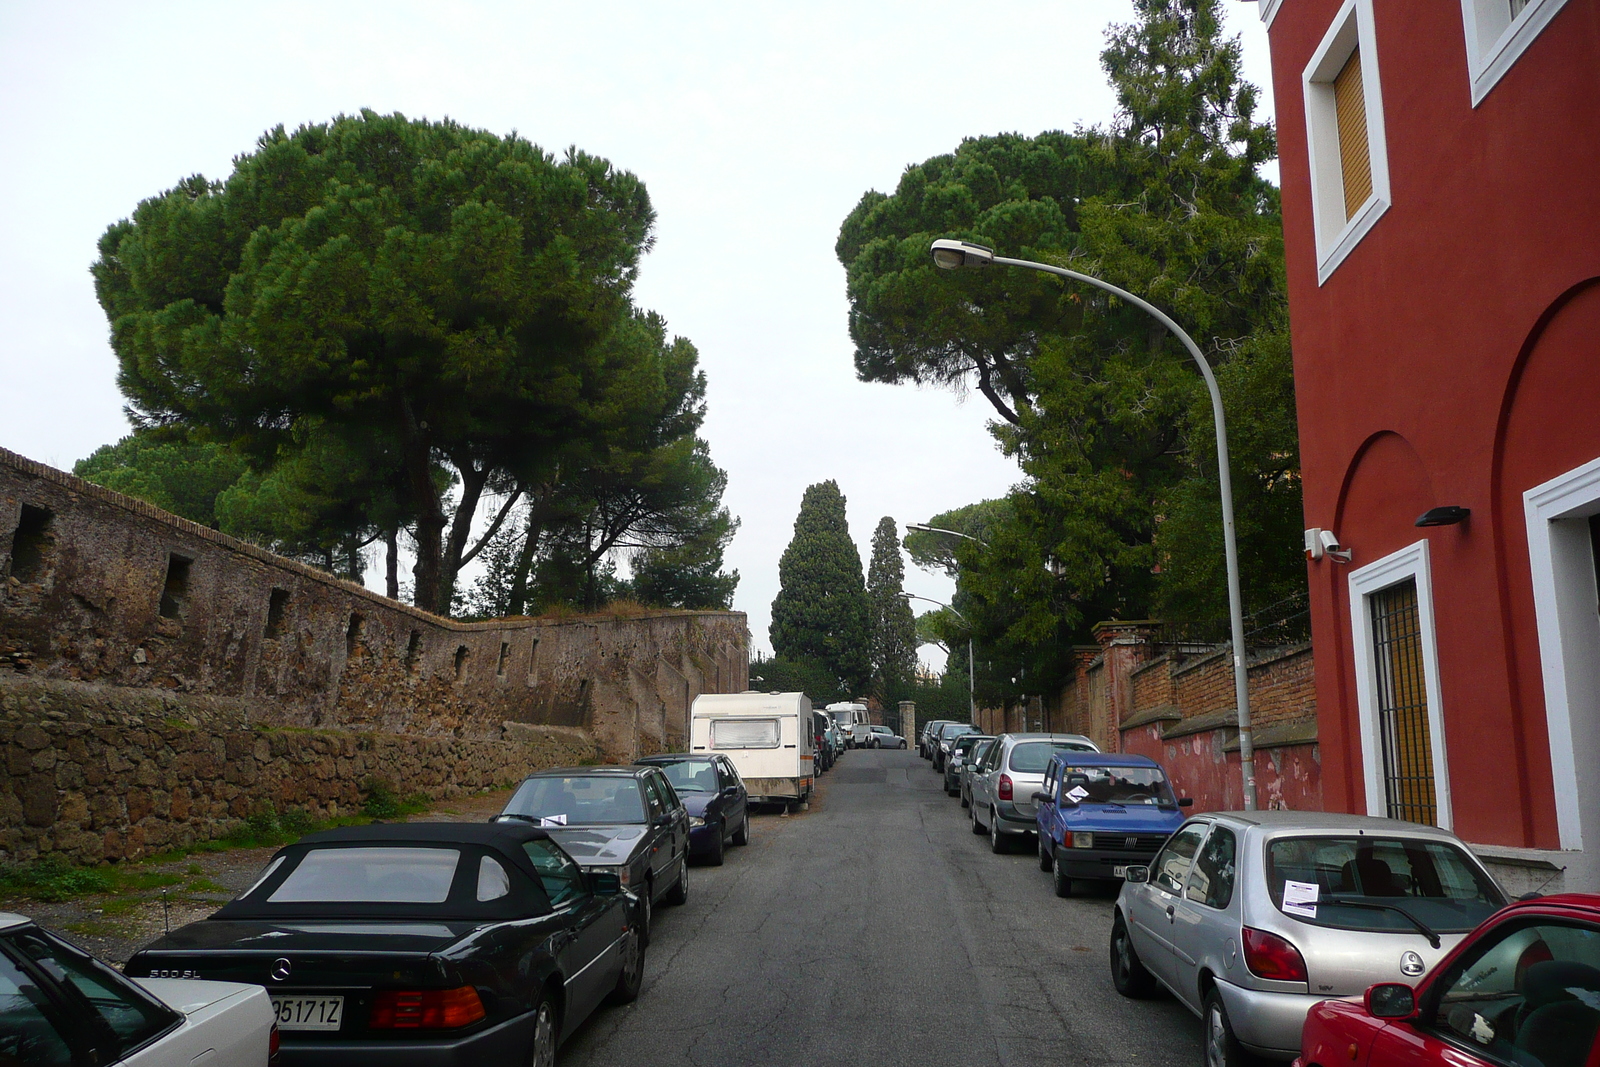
(1300, 898)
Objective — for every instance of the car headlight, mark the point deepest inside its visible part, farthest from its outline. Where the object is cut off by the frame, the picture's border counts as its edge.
(695, 820)
(1083, 839)
(620, 870)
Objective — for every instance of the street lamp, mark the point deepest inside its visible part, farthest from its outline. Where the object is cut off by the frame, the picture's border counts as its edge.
(949, 255)
(941, 529)
(972, 704)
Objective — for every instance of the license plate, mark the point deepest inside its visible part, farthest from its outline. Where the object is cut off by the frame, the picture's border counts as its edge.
(308, 1013)
(1119, 872)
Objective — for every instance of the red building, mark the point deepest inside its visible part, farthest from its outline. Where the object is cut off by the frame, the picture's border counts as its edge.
(1441, 203)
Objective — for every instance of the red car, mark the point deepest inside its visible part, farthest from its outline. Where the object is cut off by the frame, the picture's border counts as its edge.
(1522, 990)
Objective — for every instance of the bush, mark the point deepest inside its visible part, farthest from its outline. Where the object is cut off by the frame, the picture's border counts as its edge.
(52, 879)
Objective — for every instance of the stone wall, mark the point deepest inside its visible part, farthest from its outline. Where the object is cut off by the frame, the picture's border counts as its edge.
(118, 604)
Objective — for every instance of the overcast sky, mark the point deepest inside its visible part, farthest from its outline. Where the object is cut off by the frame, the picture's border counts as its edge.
(756, 127)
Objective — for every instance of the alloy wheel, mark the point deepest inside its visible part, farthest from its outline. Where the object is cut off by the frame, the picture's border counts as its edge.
(544, 1036)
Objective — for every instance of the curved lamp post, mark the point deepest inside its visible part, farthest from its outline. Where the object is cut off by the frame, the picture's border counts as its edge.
(950, 255)
(972, 705)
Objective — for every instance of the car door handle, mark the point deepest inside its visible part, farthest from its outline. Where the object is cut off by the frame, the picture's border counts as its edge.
(1170, 911)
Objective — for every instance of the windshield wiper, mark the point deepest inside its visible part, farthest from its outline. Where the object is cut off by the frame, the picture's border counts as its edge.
(518, 815)
(1433, 938)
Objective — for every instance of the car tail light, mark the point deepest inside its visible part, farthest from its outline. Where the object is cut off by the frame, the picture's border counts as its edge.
(1270, 956)
(273, 1041)
(1004, 791)
(425, 1009)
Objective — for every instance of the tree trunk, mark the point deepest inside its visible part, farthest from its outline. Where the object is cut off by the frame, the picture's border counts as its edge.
(538, 512)
(425, 505)
(472, 482)
(392, 565)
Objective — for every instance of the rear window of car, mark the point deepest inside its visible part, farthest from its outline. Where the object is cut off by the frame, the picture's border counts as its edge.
(578, 800)
(691, 776)
(370, 876)
(744, 733)
(1032, 757)
(964, 743)
(1365, 882)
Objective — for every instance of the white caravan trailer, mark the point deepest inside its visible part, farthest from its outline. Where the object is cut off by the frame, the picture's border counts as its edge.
(768, 736)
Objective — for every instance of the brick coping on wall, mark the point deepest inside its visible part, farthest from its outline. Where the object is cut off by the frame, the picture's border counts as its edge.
(72, 483)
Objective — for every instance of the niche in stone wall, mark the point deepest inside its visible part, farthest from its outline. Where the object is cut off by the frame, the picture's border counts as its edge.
(413, 651)
(175, 590)
(277, 606)
(30, 545)
(352, 635)
(505, 654)
(461, 661)
(533, 662)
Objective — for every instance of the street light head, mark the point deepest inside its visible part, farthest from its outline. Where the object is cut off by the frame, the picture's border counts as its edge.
(949, 254)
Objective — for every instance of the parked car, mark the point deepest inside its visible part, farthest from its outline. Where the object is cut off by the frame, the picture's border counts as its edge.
(969, 764)
(1003, 785)
(60, 1005)
(960, 749)
(625, 821)
(824, 750)
(718, 805)
(883, 737)
(419, 943)
(767, 736)
(860, 735)
(942, 740)
(1098, 814)
(1250, 918)
(1523, 988)
(925, 739)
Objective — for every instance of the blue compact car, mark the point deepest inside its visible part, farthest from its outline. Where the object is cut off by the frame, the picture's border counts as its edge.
(715, 796)
(1098, 813)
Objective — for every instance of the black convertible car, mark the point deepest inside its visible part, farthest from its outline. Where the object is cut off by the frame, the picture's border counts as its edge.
(422, 943)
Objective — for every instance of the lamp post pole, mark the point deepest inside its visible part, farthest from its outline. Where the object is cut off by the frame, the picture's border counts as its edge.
(949, 255)
(972, 704)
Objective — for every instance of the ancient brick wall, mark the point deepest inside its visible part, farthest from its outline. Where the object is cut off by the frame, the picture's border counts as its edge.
(109, 592)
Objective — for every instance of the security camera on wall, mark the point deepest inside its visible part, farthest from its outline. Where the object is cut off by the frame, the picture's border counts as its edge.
(1320, 542)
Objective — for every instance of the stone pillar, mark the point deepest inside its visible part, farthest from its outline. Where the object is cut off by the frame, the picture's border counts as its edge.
(1125, 647)
(908, 721)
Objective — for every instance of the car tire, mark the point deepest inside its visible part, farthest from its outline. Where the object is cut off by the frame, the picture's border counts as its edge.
(951, 792)
(1061, 879)
(715, 856)
(741, 836)
(626, 991)
(647, 911)
(1046, 860)
(546, 1032)
(997, 842)
(1127, 972)
(1222, 1048)
(679, 893)
(972, 816)
(965, 803)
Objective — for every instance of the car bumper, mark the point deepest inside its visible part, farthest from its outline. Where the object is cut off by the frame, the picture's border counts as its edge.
(507, 1042)
(703, 839)
(1267, 1023)
(1089, 863)
(1014, 822)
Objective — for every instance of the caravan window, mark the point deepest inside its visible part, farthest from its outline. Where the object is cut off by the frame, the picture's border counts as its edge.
(744, 733)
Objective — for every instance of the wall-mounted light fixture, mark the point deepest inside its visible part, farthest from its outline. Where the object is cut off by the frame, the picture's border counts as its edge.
(1320, 542)
(1448, 515)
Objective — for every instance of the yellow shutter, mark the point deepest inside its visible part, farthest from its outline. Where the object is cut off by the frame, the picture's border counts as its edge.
(1350, 105)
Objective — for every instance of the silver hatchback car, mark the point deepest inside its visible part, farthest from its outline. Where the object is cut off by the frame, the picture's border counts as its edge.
(1250, 918)
(1000, 793)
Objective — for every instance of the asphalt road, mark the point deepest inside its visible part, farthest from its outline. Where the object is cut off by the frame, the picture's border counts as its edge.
(875, 929)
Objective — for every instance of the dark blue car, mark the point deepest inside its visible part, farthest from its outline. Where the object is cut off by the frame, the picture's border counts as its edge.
(1098, 814)
(715, 796)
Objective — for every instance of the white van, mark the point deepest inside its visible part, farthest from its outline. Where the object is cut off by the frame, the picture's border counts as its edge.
(850, 715)
(768, 736)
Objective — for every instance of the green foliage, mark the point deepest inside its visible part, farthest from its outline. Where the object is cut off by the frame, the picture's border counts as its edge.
(52, 879)
(1101, 408)
(170, 470)
(894, 630)
(821, 612)
(383, 803)
(811, 677)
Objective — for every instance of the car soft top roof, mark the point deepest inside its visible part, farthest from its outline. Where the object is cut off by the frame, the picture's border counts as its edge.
(429, 833)
(1105, 759)
(672, 757)
(610, 770)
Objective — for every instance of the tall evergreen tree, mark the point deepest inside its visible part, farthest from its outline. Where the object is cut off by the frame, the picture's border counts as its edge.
(894, 627)
(821, 612)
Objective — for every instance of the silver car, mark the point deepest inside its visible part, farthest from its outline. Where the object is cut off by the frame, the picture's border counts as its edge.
(1004, 781)
(968, 765)
(1250, 918)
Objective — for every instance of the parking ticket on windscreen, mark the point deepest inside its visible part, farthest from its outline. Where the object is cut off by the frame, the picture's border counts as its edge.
(1300, 898)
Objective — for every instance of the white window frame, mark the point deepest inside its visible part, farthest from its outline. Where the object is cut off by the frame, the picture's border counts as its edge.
(1410, 562)
(1336, 234)
(1495, 40)
(1561, 557)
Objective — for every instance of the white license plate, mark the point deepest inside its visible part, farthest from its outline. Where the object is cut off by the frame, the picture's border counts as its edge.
(1119, 872)
(308, 1013)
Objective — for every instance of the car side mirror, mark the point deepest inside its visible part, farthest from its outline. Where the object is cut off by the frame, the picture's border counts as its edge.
(1136, 873)
(665, 820)
(1041, 798)
(1186, 802)
(1391, 1000)
(730, 791)
(605, 883)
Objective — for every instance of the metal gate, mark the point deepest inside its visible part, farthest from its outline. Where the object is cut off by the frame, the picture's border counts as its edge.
(1403, 705)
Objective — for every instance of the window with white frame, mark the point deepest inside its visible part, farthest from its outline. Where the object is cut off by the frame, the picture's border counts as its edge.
(1344, 124)
(1397, 688)
(1498, 32)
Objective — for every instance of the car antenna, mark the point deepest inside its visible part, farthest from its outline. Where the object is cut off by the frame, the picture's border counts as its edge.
(1537, 893)
(166, 916)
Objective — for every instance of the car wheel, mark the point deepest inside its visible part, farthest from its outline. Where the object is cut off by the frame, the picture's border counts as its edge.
(1127, 973)
(647, 911)
(1046, 861)
(972, 816)
(951, 792)
(679, 893)
(546, 1032)
(631, 977)
(741, 836)
(997, 844)
(1062, 880)
(715, 858)
(1222, 1047)
(965, 803)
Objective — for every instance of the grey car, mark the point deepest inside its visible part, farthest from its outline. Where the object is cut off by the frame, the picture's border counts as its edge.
(1001, 793)
(969, 763)
(960, 749)
(925, 739)
(1250, 918)
(944, 737)
(883, 737)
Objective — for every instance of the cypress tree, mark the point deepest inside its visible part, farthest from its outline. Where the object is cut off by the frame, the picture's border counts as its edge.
(894, 629)
(820, 614)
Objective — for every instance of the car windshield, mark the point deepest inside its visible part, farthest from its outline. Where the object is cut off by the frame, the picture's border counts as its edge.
(1032, 757)
(384, 875)
(1379, 883)
(578, 800)
(1119, 785)
(964, 743)
(691, 776)
(981, 749)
